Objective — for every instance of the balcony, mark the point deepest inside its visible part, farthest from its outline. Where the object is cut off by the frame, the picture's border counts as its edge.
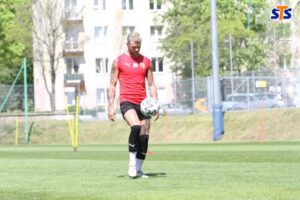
(75, 81)
(73, 49)
(69, 77)
(73, 17)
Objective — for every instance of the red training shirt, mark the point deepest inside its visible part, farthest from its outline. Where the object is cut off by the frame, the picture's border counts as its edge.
(132, 74)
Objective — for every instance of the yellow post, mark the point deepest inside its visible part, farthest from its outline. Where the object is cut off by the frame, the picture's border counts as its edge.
(17, 131)
(76, 124)
(71, 127)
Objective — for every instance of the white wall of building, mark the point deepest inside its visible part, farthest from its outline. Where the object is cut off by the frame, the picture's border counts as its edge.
(114, 18)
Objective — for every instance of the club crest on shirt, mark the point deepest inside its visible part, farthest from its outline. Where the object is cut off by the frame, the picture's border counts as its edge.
(135, 65)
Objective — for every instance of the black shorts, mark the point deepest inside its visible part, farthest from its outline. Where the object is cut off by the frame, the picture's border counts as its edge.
(126, 105)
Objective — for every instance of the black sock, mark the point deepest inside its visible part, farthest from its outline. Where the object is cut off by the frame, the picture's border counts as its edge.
(144, 147)
(133, 142)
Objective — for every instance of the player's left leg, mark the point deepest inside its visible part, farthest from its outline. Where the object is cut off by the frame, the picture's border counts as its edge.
(133, 141)
(142, 152)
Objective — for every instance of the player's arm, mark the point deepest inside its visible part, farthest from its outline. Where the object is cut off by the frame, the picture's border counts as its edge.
(114, 75)
(152, 87)
(151, 84)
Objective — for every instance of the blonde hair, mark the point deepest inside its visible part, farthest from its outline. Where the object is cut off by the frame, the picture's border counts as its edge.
(134, 36)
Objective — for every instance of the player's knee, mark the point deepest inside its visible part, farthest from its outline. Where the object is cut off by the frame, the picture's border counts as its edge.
(144, 130)
(136, 129)
(133, 138)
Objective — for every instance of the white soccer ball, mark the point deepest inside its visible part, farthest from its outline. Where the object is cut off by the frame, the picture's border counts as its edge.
(149, 107)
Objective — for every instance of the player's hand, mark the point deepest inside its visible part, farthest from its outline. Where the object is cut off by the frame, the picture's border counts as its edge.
(111, 113)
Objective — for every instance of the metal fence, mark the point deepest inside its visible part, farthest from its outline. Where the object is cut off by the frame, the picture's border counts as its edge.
(239, 93)
(249, 91)
(15, 100)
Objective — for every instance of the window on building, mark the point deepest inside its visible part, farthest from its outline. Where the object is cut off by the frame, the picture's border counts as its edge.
(127, 4)
(70, 8)
(101, 33)
(72, 34)
(100, 96)
(155, 33)
(155, 4)
(70, 97)
(101, 65)
(100, 4)
(157, 64)
(70, 4)
(127, 29)
(72, 39)
(72, 65)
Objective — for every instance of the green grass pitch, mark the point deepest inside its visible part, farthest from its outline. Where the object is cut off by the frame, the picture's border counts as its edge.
(177, 171)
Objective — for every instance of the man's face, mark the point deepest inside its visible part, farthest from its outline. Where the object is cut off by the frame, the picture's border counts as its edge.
(134, 48)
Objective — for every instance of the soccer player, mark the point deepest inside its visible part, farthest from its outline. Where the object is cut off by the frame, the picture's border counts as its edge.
(131, 69)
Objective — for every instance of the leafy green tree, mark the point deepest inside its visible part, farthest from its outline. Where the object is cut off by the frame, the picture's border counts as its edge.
(189, 22)
(23, 33)
(15, 39)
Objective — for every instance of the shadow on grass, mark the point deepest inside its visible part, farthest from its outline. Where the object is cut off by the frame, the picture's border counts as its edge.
(151, 175)
(154, 175)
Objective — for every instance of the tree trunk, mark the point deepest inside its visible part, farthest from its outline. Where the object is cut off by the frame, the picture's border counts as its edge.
(52, 101)
(53, 93)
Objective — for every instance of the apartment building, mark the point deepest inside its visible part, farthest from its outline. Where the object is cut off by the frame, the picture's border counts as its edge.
(94, 33)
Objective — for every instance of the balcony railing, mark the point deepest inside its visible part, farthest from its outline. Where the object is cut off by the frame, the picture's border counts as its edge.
(73, 48)
(76, 81)
(73, 16)
(73, 77)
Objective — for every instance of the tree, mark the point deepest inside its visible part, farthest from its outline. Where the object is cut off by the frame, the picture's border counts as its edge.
(22, 32)
(14, 42)
(189, 22)
(48, 34)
